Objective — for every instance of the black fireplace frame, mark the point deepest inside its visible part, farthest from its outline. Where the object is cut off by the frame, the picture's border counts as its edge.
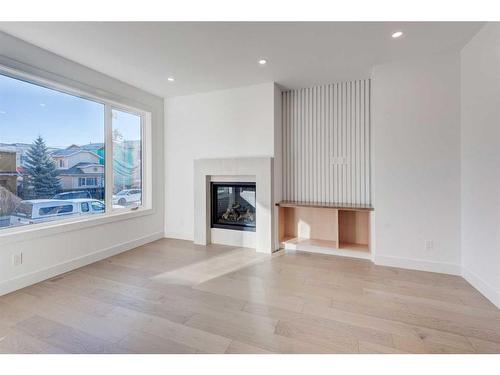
(213, 214)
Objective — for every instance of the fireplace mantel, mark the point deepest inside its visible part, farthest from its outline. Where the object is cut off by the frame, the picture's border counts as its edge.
(261, 169)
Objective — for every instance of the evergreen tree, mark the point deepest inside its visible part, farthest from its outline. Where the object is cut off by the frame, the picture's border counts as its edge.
(41, 179)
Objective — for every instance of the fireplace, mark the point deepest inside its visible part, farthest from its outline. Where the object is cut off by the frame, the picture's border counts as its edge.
(233, 205)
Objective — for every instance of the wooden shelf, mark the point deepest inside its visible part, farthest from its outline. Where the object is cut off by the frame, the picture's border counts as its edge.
(345, 207)
(311, 242)
(354, 246)
(326, 247)
(325, 228)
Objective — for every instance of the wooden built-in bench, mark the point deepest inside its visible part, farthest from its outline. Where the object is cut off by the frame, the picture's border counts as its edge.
(325, 228)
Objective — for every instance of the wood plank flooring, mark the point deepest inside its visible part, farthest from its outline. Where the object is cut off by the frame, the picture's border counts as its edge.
(172, 296)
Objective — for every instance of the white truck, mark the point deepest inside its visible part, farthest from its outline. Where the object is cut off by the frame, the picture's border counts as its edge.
(42, 210)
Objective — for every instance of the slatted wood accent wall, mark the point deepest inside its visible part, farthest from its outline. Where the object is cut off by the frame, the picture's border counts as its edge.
(326, 143)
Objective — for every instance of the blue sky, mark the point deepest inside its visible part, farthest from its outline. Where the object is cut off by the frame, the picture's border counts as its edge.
(28, 110)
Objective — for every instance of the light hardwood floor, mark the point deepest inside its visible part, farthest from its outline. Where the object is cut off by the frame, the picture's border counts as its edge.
(171, 296)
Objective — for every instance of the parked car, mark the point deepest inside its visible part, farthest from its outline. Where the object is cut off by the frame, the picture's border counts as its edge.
(128, 196)
(73, 195)
(42, 210)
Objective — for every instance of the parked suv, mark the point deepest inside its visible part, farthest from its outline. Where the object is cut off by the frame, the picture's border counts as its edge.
(73, 195)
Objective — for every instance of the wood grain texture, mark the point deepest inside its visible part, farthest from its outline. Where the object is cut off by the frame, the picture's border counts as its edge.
(172, 296)
(310, 223)
(354, 227)
(322, 229)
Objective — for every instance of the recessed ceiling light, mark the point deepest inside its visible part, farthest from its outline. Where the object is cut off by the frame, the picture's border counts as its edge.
(262, 62)
(170, 79)
(397, 34)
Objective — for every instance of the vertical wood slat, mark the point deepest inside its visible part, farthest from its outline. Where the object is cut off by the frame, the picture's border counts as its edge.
(326, 143)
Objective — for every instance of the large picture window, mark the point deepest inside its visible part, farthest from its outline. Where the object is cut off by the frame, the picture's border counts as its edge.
(127, 165)
(53, 147)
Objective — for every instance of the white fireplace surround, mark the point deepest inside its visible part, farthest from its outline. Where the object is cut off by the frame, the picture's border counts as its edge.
(258, 169)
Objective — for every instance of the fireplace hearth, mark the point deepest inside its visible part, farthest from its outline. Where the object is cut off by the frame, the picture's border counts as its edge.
(233, 205)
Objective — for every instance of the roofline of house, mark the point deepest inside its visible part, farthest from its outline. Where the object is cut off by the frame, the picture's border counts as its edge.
(76, 152)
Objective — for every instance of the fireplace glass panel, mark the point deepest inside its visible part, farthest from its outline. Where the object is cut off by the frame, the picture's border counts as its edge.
(233, 206)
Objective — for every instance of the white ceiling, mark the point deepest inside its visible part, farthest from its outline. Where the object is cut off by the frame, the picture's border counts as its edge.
(217, 55)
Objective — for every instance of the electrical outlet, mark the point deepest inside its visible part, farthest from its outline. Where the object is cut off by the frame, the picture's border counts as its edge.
(17, 259)
(429, 244)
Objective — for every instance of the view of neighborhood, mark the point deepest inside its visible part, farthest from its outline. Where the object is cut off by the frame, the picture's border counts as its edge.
(40, 182)
(43, 177)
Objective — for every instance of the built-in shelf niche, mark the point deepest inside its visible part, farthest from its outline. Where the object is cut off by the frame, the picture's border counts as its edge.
(324, 228)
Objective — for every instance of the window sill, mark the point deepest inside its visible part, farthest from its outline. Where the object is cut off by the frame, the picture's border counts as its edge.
(34, 231)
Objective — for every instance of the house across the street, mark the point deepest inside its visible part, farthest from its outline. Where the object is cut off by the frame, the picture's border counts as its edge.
(79, 167)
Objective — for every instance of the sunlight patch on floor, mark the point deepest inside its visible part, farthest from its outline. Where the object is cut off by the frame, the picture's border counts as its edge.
(200, 272)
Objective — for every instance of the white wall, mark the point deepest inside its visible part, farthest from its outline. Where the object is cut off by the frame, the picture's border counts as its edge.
(51, 252)
(219, 124)
(480, 61)
(416, 163)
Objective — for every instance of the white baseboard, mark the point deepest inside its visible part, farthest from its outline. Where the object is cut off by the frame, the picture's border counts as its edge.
(47, 273)
(178, 236)
(418, 264)
(482, 286)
